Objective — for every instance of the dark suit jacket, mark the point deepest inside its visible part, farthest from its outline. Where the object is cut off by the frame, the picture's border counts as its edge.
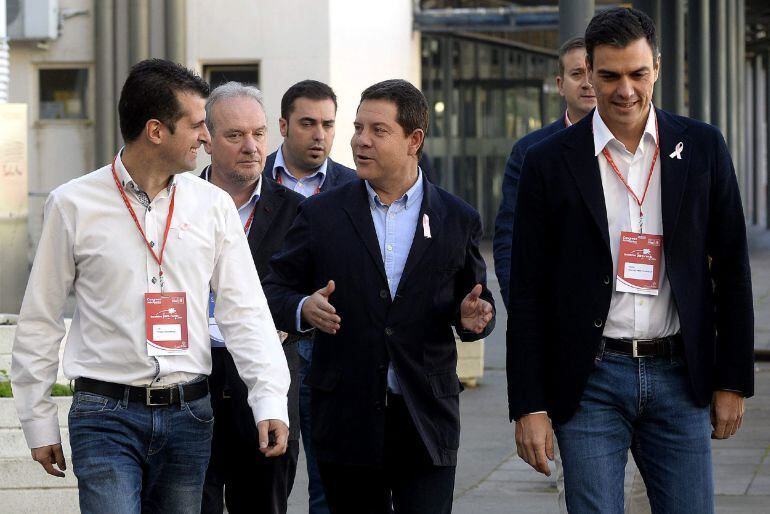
(276, 210)
(561, 270)
(333, 237)
(336, 173)
(501, 243)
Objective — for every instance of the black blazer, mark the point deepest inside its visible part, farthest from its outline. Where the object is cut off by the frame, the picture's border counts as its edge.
(333, 237)
(561, 270)
(276, 210)
(336, 173)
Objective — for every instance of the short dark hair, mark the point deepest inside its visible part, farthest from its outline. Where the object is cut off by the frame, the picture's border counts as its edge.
(569, 45)
(619, 27)
(412, 107)
(311, 89)
(150, 93)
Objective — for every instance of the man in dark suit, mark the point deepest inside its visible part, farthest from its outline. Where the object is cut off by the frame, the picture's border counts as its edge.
(302, 163)
(235, 118)
(573, 85)
(655, 354)
(384, 267)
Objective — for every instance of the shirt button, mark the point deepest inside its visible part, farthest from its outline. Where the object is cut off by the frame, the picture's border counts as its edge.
(154, 280)
(383, 294)
(390, 248)
(388, 331)
(606, 279)
(598, 322)
(149, 207)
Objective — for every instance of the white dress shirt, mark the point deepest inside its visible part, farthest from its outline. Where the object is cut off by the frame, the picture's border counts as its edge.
(634, 316)
(91, 244)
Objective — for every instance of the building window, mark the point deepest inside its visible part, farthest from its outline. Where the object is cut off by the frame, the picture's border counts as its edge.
(63, 93)
(218, 74)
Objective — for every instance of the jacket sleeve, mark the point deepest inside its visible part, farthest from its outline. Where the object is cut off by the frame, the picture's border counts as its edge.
(731, 275)
(473, 272)
(291, 273)
(525, 356)
(501, 243)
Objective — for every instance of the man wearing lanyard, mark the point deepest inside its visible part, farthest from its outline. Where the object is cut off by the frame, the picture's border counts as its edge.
(631, 321)
(141, 244)
(235, 117)
(573, 85)
(302, 163)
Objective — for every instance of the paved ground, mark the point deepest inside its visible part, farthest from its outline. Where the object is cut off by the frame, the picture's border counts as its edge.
(491, 479)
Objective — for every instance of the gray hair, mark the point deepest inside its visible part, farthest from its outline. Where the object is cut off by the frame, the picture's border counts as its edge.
(231, 90)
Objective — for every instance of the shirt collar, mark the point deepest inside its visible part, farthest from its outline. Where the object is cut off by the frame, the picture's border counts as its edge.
(603, 135)
(567, 121)
(254, 196)
(412, 196)
(280, 164)
(125, 178)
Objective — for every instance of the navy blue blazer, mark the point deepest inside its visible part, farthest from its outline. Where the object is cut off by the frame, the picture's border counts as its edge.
(333, 237)
(501, 243)
(561, 267)
(336, 173)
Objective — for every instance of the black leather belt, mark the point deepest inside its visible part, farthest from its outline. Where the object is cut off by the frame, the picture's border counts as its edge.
(663, 347)
(150, 396)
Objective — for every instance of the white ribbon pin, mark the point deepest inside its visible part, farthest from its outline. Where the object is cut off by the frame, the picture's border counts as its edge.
(426, 226)
(677, 151)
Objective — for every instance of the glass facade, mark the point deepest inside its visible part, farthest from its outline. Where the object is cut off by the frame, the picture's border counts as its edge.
(484, 95)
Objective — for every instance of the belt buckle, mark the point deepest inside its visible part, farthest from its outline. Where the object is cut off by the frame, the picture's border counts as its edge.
(635, 348)
(148, 400)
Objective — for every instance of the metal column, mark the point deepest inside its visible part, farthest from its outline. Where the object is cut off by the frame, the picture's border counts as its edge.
(652, 8)
(758, 137)
(733, 93)
(766, 90)
(104, 46)
(672, 52)
(747, 147)
(574, 16)
(175, 31)
(698, 60)
(741, 159)
(718, 50)
(138, 31)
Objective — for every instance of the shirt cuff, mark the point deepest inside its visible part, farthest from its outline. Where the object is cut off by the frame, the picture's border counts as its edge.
(41, 432)
(299, 317)
(271, 408)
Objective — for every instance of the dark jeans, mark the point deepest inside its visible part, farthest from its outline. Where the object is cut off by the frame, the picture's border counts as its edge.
(131, 459)
(239, 475)
(645, 404)
(317, 501)
(407, 483)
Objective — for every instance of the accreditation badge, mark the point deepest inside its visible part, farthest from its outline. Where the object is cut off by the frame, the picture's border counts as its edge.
(166, 322)
(639, 260)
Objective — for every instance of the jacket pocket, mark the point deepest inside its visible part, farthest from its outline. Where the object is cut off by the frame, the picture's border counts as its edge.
(445, 384)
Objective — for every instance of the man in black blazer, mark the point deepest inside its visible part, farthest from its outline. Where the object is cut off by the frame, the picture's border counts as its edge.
(383, 268)
(573, 85)
(235, 118)
(650, 353)
(302, 163)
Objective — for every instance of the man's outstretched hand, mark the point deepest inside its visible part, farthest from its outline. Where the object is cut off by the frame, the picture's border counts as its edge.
(318, 312)
(475, 312)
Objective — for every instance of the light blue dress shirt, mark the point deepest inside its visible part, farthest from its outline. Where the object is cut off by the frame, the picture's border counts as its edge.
(244, 211)
(395, 226)
(307, 186)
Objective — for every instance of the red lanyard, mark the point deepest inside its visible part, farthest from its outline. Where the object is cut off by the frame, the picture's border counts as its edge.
(649, 176)
(158, 258)
(280, 181)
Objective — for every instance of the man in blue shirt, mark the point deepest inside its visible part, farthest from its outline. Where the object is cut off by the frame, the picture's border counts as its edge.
(302, 163)
(573, 85)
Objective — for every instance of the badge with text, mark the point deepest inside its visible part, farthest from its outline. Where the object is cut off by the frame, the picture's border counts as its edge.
(166, 321)
(639, 263)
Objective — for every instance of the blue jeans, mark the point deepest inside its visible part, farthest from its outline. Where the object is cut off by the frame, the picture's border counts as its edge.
(645, 404)
(317, 501)
(132, 459)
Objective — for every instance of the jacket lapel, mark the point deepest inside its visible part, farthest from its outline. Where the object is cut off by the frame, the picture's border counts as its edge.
(267, 206)
(584, 167)
(673, 171)
(357, 208)
(432, 207)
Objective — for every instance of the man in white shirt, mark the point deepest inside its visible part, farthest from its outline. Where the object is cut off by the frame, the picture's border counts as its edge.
(630, 318)
(141, 245)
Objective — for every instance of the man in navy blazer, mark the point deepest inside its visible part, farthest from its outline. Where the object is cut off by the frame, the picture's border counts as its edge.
(573, 85)
(383, 267)
(663, 366)
(302, 163)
